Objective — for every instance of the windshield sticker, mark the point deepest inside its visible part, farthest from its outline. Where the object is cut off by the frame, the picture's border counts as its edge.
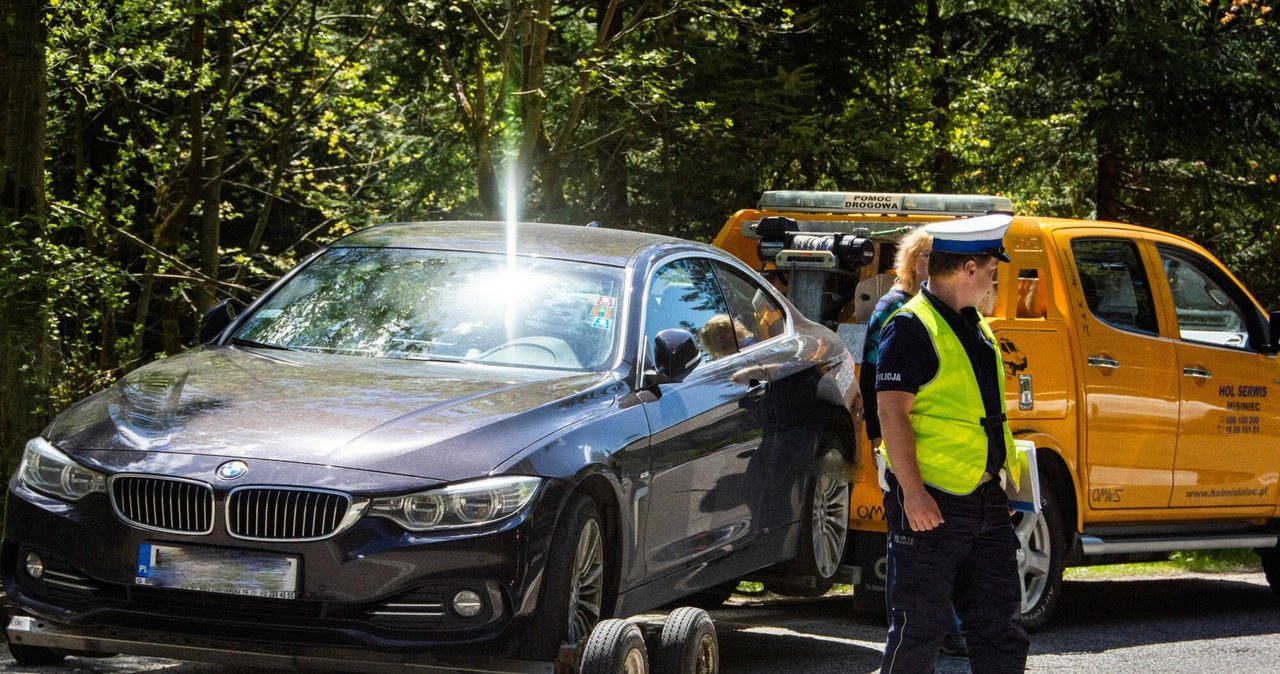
(602, 312)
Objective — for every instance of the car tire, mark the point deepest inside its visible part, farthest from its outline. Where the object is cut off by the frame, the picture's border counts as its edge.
(1271, 567)
(688, 644)
(825, 527)
(614, 647)
(573, 584)
(35, 656)
(1042, 554)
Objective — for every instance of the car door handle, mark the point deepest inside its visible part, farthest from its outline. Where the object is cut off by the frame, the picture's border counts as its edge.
(1198, 373)
(1104, 362)
(757, 388)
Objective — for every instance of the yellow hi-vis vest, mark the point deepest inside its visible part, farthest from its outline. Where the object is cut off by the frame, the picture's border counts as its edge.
(946, 416)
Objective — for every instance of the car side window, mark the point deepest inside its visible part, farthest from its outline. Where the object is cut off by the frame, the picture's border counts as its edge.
(1205, 308)
(1115, 284)
(759, 316)
(684, 294)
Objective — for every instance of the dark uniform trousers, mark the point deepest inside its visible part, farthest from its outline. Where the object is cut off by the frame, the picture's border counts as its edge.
(976, 547)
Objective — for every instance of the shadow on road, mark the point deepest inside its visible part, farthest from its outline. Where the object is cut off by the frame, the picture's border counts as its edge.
(779, 636)
(1098, 615)
(1193, 623)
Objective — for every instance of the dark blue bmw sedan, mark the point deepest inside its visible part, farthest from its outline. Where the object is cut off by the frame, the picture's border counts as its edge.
(462, 439)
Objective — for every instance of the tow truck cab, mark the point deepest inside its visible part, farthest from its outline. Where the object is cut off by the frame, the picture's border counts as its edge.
(1143, 371)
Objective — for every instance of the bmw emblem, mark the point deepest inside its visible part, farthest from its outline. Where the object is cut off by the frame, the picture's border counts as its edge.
(232, 470)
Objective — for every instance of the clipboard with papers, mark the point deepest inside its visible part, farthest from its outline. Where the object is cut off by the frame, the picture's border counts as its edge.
(1025, 498)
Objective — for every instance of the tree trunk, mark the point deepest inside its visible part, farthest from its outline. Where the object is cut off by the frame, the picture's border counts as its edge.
(1110, 187)
(1109, 143)
(612, 204)
(175, 202)
(211, 211)
(23, 217)
(943, 160)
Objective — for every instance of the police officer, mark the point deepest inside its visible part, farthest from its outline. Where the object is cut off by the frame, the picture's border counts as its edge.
(947, 446)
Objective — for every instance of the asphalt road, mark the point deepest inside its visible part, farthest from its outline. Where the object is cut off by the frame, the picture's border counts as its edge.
(1190, 623)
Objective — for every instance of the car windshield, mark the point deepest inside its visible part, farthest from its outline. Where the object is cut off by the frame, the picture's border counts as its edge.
(444, 305)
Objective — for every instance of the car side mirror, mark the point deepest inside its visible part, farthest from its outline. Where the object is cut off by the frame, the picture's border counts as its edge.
(675, 354)
(217, 318)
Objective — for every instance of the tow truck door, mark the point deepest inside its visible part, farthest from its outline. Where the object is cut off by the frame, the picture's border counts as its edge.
(1130, 388)
(1228, 449)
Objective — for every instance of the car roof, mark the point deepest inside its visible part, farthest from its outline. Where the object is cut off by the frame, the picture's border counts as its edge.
(588, 244)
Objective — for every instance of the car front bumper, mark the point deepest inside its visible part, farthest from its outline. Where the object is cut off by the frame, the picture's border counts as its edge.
(372, 586)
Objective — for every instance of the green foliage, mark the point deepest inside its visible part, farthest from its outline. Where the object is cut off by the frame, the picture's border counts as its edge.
(1195, 561)
(1217, 561)
(197, 150)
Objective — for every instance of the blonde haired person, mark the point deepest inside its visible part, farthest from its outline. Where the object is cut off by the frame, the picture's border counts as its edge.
(722, 336)
(911, 267)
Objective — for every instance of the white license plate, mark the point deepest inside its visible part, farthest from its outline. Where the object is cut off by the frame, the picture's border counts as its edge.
(226, 571)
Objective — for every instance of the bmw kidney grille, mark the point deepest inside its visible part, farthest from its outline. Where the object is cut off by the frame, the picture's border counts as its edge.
(280, 513)
(253, 513)
(163, 504)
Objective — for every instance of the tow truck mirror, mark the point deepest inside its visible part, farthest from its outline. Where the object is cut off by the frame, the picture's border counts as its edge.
(1273, 343)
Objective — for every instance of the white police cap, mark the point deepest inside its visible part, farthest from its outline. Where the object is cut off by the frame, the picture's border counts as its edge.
(983, 234)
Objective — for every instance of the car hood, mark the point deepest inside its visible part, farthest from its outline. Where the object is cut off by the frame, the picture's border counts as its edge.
(442, 421)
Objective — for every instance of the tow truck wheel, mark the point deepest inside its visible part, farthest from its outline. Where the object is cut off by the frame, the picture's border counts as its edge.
(615, 647)
(572, 597)
(822, 541)
(1271, 566)
(709, 599)
(1042, 548)
(688, 644)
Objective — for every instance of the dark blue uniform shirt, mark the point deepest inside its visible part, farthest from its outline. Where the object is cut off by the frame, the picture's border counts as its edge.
(907, 361)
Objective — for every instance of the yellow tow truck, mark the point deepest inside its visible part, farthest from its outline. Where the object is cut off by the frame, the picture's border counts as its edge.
(1142, 370)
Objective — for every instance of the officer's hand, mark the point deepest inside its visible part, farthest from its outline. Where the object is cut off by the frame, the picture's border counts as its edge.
(922, 511)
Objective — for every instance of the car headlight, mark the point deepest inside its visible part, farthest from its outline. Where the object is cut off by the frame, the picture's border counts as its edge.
(459, 505)
(49, 471)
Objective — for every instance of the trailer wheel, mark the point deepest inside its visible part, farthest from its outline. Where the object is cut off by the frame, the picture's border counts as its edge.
(573, 585)
(615, 647)
(35, 656)
(688, 644)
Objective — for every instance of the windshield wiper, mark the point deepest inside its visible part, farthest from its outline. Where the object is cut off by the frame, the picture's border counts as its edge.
(434, 358)
(240, 341)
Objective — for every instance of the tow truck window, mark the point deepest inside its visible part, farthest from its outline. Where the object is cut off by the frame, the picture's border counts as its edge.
(1204, 305)
(1114, 283)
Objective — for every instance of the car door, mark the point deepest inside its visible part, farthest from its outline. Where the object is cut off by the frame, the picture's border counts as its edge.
(1130, 386)
(779, 466)
(705, 430)
(1228, 453)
